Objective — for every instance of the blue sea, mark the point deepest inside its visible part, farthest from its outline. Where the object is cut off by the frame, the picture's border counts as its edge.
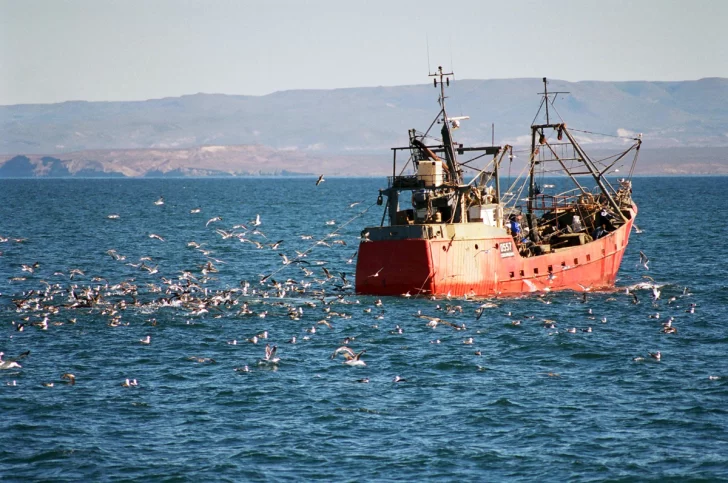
(524, 402)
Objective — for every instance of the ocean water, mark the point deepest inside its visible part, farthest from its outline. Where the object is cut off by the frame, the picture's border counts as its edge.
(536, 404)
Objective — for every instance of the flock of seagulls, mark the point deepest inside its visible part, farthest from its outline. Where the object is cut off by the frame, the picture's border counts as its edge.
(309, 292)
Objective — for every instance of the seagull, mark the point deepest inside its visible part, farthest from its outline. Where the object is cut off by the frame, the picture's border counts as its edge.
(655, 355)
(195, 210)
(146, 340)
(352, 205)
(160, 201)
(113, 217)
(643, 260)
(270, 353)
(212, 220)
(355, 360)
(256, 222)
(399, 379)
(320, 180)
(344, 349)
(70, 378)
(11, 363)
(154, 235)
(30, 268)
(376, 274)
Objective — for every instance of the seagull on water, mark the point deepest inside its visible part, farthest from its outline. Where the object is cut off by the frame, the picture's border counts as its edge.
(270, 355)
(160, 201)
(70, 378)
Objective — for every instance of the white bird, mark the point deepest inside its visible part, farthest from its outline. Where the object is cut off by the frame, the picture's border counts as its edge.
(320, 180)
(195, 210)
(212, 220)
(354, 360)
(146, 340)
(11, 363)
(270, 353)
(377, 274)
(154, 235)
(160, 201)
(256, 222)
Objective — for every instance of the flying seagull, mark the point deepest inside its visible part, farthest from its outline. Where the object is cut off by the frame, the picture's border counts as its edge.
(643, 260)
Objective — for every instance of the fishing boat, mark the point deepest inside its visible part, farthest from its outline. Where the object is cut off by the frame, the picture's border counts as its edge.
(449, 227)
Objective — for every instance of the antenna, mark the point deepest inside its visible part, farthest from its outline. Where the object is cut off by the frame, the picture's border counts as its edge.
(545, 94)
(452, 69)
(427, 40)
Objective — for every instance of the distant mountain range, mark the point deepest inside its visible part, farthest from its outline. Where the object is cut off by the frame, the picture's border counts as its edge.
(347, 131)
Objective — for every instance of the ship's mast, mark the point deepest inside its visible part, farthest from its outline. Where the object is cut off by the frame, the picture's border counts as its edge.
(583, 157)
(443, 80)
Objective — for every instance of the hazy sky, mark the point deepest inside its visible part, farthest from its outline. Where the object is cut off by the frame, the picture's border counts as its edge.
(55, 50)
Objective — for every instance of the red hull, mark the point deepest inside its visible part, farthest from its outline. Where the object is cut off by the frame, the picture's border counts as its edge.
(480, 266)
